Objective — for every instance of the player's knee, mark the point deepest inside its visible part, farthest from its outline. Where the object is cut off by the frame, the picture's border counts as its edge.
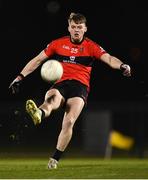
(69, 123)
(51, 94)
(56, 92)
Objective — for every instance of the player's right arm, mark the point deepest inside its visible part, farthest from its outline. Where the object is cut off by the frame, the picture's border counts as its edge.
(39, 59)
(34, 63)
(29, 68)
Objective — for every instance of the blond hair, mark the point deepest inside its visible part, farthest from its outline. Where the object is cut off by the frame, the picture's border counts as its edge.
(77, 18)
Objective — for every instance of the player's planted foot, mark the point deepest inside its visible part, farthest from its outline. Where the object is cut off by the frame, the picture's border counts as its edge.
(34, 112)
(52, 164)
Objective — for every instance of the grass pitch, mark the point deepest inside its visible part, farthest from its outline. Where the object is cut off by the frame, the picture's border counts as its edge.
(75, 168)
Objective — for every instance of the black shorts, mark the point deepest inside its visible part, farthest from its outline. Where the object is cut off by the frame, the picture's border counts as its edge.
(72, 88)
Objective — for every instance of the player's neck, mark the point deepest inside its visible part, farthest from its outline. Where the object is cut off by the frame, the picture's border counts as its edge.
(76, 41)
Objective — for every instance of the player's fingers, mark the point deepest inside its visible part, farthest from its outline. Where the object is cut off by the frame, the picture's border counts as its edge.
(10, 85)
(13, 90)
(127, 73)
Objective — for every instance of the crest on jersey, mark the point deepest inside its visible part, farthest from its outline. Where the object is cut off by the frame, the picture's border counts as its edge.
(81, 49)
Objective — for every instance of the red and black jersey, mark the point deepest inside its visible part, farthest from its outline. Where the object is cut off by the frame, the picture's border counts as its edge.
(77, 59)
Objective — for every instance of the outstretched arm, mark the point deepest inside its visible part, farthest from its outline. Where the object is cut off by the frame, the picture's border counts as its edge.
(34, 63)
(29, 68)
(116, 63)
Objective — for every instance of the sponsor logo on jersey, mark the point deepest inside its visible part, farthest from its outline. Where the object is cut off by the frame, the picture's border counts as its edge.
(66, 47)
(72, 58)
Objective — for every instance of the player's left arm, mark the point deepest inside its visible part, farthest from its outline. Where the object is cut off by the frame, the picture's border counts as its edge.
(116, 63)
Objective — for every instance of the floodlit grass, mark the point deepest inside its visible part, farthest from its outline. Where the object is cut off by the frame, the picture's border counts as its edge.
(75, 168)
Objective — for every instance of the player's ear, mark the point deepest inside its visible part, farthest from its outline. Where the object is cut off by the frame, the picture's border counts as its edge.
(68, 27)
(85, 30)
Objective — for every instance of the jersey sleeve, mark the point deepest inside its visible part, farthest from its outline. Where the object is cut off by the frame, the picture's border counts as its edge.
(50, 49)
(98, 51)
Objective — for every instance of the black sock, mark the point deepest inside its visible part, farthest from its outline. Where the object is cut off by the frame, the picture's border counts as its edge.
(57, 155)
(43, 113)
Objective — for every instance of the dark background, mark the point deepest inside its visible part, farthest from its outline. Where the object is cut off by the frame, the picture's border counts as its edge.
(118, 26)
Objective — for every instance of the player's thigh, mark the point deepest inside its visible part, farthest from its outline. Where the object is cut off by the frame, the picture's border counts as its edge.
(54, 97)
(74, 107)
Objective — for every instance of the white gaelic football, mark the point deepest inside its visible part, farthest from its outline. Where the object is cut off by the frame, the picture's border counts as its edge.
(51, 71)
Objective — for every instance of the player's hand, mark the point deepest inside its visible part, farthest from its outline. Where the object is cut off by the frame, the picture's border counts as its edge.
(126, 70)
(15, 85)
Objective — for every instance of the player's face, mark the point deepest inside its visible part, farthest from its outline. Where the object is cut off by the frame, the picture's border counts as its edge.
(77, 31)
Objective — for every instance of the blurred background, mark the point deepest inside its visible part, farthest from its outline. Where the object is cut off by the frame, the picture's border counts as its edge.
(115, 119)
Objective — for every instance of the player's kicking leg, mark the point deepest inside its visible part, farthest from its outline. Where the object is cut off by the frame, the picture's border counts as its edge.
(34, 112)
(53, 100)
